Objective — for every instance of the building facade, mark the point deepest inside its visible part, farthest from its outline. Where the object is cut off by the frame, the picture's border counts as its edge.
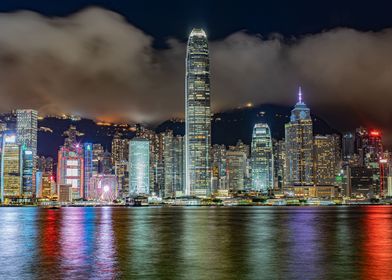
(197, 115)
(26, 135)
(262, 160)
(26, 129)
(88, 166)
(119, 149)
(11, 171)
(173, 165)
(324, 160)
(139, 166)
(299, 146)
(70, 169)
(236, 163)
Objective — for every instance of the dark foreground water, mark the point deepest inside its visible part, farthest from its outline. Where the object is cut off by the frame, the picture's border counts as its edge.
(196, 243)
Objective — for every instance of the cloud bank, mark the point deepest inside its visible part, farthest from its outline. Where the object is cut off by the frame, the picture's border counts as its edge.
(95, 64)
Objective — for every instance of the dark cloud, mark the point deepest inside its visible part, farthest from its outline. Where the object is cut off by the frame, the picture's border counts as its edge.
(95, 64)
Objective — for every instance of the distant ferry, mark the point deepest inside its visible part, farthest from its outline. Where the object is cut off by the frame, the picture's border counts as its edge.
(51, 205)
(138, 201)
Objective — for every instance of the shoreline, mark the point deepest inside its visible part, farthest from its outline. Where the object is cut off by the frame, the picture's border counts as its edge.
(196, 206)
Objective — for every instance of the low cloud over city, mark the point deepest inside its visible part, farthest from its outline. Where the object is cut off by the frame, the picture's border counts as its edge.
(96, 64)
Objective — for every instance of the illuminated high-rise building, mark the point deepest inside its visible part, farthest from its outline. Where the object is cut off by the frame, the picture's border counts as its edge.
(240, 146)
(26, 135)
(119, 149)
(173, 164)
(122, 175)
(88, 166)
(70, 164)
(236, 161)
(374, 148)
(106, 163)
(218, 165)
(70, 169)
(47, 186)
(26, 129)
(11, 171)
(325, 160)
(45, 164)
(233, 154)
(348, 144)
(71, 136)
(279, 165)
(361, 142)
(156, 154)
(98, 153)
(197, 115)
(28, 171)
(299, 145)
(45, 183)
(262, 160)
(139, 166)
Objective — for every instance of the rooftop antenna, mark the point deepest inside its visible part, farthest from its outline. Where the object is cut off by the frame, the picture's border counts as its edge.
(299, 95)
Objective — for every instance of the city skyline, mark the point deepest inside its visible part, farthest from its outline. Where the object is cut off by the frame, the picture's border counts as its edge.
(148, 90)
(200, 139)
(152, 164)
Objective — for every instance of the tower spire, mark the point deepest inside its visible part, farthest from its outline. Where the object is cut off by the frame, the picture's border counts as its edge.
(299, 95)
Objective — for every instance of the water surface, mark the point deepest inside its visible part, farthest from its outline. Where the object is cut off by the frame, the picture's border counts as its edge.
(196, 243)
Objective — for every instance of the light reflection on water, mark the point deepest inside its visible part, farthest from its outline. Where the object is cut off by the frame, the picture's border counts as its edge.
(196, 243)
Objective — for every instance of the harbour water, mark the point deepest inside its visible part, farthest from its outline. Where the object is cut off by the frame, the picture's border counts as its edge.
(196, 243)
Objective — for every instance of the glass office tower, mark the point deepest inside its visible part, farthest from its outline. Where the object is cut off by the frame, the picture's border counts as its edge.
(139, 166)
(11, 171)
(299, 145)
(197, 116)
(262, 161)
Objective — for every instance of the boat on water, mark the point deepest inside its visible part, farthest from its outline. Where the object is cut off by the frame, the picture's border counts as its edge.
(51, 205)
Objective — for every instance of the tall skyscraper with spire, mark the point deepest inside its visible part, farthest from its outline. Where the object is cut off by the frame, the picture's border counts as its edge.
(299, 145)
(197, 115)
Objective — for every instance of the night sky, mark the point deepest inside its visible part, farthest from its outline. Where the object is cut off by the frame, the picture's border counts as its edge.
(163, 19)
(124, 60)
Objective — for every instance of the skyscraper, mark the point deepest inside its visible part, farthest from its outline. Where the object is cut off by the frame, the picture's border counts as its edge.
(236, 169)
(279, 165)
(262, 161)
(173, 164)
(11, 171)
(156, 172)
(98, 152)
(299, 145)
(139, 166)
(70, 169)
(28, 173)
(348, 144)
(121, 172)
(324, 160)
(218, 162)
(119, 149)
(361, 141)
(197, 115)
(374, 149)
(106, 163)
(26, 129)
(26, 135)
(88, 166)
